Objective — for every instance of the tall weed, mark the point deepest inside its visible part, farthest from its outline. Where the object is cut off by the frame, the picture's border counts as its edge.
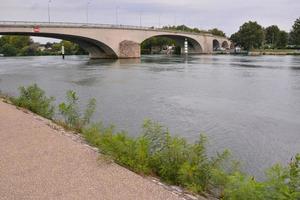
(34, 99)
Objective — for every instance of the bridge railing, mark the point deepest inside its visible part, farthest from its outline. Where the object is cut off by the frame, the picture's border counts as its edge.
(91, 25)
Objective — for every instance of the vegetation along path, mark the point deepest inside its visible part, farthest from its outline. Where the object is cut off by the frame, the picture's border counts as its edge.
(39, 162)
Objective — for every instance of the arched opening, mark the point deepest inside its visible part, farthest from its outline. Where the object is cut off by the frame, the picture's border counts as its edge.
(216, 45)
(169, 44)
(95, 48)
(225, 45)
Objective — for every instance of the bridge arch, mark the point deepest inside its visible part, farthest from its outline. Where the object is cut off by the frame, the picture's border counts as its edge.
(95, 48)
(216, 45)
(225, 45)
(194, 47)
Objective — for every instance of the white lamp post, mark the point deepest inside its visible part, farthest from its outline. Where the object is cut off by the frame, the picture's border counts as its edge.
(49, 1)
(87, 11)
(117, 15)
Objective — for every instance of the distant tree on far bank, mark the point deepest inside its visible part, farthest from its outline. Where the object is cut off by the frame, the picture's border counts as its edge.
(272, 34)
(218, 32)
(25, 46)
(249, 36)
(70, 48)
(183, 28)
(14, 45)
(295, 33)
(282, 39)
(275, 38)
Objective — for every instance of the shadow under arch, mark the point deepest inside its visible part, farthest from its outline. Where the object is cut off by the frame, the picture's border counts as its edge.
(216, 45)
(225, 45)
(96, 49)
(194, 47)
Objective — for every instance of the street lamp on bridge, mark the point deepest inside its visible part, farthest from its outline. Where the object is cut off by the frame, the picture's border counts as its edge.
(49, 1)
(117, 15)
(87, 11)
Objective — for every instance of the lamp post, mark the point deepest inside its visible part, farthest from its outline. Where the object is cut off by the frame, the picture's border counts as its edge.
(49, 1)
(159, 20)
(140, 18)
(117, 15)
(87, 11)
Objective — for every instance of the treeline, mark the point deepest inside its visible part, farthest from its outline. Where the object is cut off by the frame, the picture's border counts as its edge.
(25, 46)
(156, 152)
(158, 43)
(185, 28)
(251, 35)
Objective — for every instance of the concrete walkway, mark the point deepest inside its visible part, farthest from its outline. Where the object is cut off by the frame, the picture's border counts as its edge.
(38, 162)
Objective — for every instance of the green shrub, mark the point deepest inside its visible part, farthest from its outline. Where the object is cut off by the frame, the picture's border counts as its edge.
(158, 153)
(34, 99)
(282, 183)
(71, 114)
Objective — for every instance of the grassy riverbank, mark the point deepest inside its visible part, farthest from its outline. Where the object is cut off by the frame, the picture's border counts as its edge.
(275, 52)
(157, 153)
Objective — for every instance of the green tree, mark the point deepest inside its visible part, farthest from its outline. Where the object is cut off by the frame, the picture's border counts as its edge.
(282, 39)
(272, 35)
(218, 32)
(295, 33)
(8, 50)
(15, 45)
(70, 48)
(249, 36)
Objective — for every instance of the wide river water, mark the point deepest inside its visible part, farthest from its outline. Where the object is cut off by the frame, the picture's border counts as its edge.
(250, 105)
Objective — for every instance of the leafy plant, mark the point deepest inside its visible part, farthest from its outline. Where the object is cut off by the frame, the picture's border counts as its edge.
(34, 99)
(70, 111)
(156, 152)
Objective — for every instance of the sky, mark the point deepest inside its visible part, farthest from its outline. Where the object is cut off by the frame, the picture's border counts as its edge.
(227, 15)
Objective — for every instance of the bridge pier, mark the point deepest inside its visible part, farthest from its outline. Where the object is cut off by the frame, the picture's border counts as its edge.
(129, 49)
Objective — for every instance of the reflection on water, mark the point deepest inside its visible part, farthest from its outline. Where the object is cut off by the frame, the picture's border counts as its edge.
(250, 105)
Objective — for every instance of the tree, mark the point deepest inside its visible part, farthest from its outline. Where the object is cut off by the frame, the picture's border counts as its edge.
(295, 33)
(249, 36)
(272, 35)
(8, 50)
(14, 45)
(218, 32)
(282, 39)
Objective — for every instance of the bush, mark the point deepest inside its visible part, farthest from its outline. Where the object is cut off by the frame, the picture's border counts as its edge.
(71, 114)
(34, 99)
(283, 183)
(156, 152)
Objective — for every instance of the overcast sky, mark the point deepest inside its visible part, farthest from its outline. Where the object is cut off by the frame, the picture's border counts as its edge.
(226, 15)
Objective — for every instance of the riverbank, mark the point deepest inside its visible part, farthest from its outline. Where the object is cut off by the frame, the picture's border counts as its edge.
(40, 160)
(274, 52)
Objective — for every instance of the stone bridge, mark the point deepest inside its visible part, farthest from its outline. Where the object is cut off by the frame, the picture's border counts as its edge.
(113, 41)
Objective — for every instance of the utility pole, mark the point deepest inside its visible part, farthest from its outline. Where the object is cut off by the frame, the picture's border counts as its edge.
(140, 18)
(49, 1)
(175, 20)
(87, 11)
(117, 15)
(159, 20)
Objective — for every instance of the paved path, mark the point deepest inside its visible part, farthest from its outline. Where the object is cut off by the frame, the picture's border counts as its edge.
(38, 162)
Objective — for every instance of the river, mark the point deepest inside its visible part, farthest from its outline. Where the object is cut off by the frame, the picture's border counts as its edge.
(250, 105)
